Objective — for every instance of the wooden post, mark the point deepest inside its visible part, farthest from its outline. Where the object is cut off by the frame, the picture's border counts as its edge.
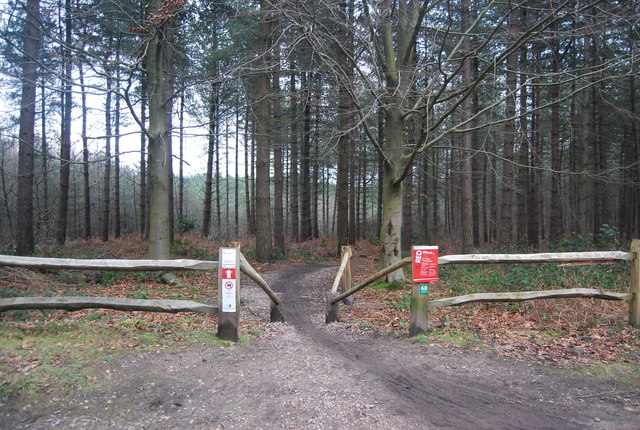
(229, 294)
(346, 282)
(424, 269)
(277, 310)
(333, 309)
(419, 309)
(634, 287)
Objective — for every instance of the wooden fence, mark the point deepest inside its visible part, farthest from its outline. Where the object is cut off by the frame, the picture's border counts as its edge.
(75, 303)
(420, 305)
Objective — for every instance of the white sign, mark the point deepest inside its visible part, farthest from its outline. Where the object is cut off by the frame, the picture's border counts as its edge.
(228, 295)
(228, 259)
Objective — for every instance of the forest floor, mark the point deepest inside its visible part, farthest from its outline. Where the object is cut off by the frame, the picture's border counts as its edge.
(527, 367)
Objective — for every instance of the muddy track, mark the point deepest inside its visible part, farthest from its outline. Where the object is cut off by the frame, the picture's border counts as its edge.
(428, 396)
(305, 374)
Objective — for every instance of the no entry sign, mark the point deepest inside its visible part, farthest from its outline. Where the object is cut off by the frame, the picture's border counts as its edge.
(425, 264)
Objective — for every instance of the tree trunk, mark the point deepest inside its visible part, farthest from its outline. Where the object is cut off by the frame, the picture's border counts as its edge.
(466, 109)
(5, 189)
(252, 180)
(264, 244)
(363, 215)
(85, 159)
(295, 216)
(381, 138)
(524, 173)
(247, 182)
(208, 182)
(65, 136)
(522, 179)
(143, 230)
(181, 161)
(535, 182)
(116, 166)
(628, 212)
(159, 148)
(106, 179)
(25, 242)
(236, 220)
(555, 226)
(391, 230)
(305, 170)
(584, 153)
(226, 181)
(344, 141)
(278, 180)
(315, 214)
(506, 217)
(599, 166)
(407, 213)
(216, 151)
(44, 217)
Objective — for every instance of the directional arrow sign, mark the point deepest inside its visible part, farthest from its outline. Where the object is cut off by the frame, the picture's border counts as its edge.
(228, 273)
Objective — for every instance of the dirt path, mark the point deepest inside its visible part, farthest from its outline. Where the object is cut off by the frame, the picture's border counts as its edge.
(307, 375)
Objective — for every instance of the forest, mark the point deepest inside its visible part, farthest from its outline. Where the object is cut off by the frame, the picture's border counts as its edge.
(473, 122)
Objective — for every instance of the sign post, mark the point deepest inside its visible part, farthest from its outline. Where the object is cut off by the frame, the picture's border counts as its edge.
(425, 270)
(228, 294)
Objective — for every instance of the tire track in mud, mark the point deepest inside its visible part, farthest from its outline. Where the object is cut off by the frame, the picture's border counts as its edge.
(434, 399)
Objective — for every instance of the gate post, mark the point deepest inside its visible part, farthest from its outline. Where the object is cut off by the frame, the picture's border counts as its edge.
(333, 309)
(419, 318)
(277, 311)
(346, 281)
(425, 269)
(228, 294)
(634, 287)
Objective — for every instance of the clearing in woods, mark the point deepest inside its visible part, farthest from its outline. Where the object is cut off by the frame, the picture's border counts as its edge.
(307, 375)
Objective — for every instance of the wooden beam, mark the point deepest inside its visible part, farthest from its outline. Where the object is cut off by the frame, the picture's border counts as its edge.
(108, 264)
(559, 257)
(399, 265)
(346, 255)
(251, 273)
(530, 295)
(75, 303)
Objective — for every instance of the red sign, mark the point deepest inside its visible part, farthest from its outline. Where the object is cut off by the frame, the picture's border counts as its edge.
(228, 273)
(425, 264)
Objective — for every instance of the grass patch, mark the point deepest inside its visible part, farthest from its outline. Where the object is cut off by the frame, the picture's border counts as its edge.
(465, 339)
(626, 375)
(393, 286)
(56, 357)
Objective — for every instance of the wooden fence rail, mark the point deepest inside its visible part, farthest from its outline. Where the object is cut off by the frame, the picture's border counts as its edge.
(74, 303)
(106, 264)
(603, 257)
(117, 265)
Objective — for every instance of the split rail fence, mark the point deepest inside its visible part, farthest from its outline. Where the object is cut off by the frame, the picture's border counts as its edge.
(343, 287)
(74, 303)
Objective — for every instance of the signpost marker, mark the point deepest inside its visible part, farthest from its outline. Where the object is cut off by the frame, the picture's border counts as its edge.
(425, 270)
(228, 294)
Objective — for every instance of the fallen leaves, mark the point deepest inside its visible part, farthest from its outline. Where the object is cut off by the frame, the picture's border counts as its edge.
(566, 333)
(561, 332)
